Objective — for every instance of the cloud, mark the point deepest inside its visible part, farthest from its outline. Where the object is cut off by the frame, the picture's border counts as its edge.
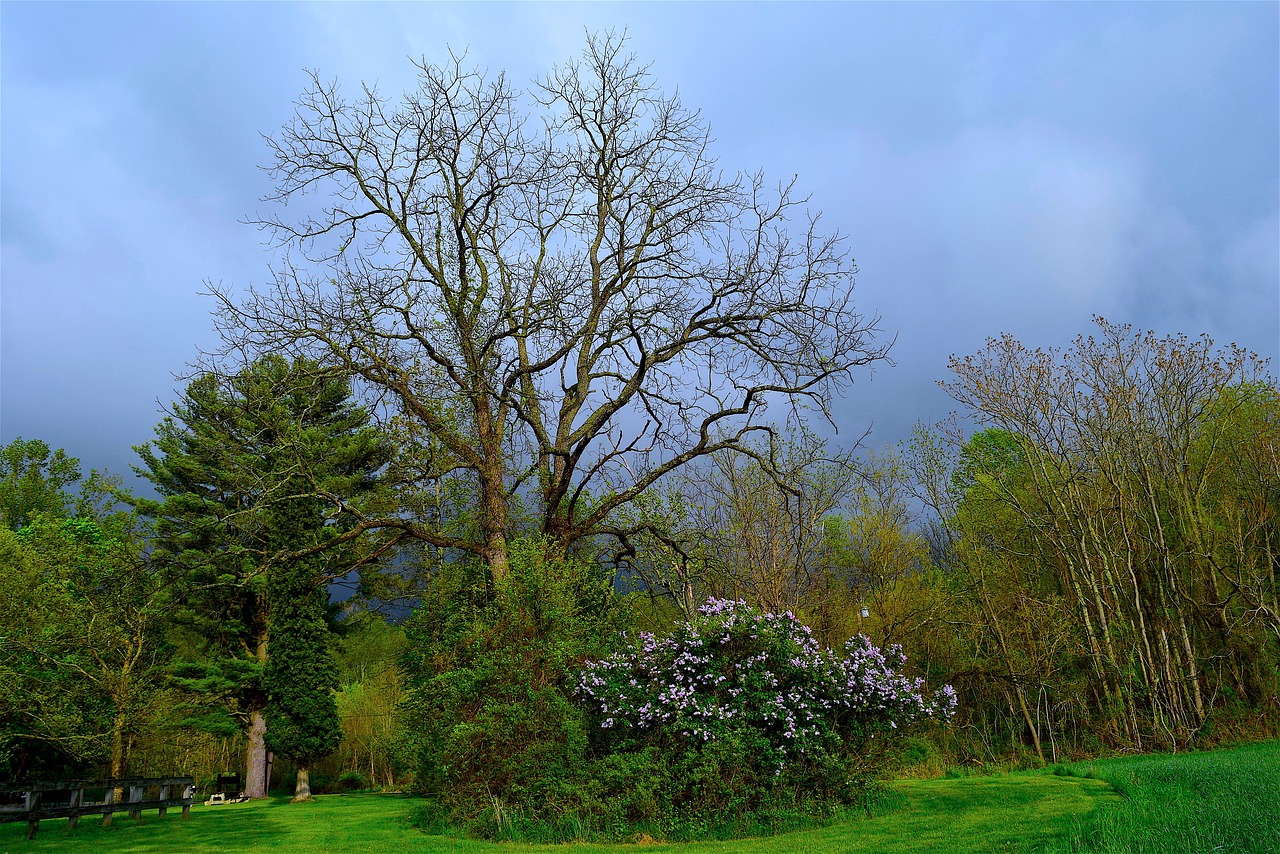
(1252, 258)
(996, 168)
(1018, 229)
(1248, 307)
(103, 257)
(1032, 231)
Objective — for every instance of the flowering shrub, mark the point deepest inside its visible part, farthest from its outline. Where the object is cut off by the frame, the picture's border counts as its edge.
(760, 683)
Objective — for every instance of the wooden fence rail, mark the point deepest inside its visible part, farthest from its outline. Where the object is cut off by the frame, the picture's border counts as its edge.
(66, 799)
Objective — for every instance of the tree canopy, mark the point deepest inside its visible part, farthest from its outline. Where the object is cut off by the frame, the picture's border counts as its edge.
(34, 479)
(560, 288)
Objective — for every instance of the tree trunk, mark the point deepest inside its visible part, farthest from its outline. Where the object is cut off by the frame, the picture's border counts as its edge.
(493, 518)
(302, 789)
(117, 752)
(256, 782)
(994, 621)
(257, 778)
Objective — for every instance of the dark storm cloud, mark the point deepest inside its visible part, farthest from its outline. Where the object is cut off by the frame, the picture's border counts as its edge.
(1003, 167)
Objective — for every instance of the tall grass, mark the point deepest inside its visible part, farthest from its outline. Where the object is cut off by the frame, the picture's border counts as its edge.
(1227, 800)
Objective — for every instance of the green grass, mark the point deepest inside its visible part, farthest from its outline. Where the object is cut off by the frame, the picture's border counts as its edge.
(1224, 800)
(1221, 801)
(1012, 813)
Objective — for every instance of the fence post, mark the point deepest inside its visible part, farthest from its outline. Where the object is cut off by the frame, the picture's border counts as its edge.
(33, 806)
(108, 801)
(135, 798)
(119, 795)
(77, 800)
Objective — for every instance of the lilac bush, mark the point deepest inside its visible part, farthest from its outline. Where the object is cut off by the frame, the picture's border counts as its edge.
(760, 682)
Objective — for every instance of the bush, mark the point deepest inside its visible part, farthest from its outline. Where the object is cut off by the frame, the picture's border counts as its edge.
(351, 781)
(499, 742)
(527, 728)
(750, 717)
(320, 783)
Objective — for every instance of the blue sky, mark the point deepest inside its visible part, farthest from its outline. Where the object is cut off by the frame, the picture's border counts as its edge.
(996, 168)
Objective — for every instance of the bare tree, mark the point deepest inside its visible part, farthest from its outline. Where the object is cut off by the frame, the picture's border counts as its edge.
(1122, 436)
(562, 289)
(747, 525)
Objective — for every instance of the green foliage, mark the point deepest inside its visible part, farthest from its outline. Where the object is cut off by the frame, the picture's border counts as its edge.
(351, 781)
(1077, 546)
(504, 751)
(367, 651)
(367, 646)
(210, 688)
(82, 648)
(34, 479)
(745, 718)
(233, 449)
(300, 676)
(252, 469)
(988, 460)
(489, 673)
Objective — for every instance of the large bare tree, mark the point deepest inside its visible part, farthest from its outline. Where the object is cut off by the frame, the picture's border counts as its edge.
(560, 289)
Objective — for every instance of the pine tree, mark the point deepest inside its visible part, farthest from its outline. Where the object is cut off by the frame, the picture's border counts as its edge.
(249, 467)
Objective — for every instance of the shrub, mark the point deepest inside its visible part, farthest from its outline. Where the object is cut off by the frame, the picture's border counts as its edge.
(320, 784)
(526, 728)
(499, 743)
(751, 715)
(351, 781)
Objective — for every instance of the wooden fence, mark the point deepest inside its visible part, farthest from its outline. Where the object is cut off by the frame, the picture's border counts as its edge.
(66, 799)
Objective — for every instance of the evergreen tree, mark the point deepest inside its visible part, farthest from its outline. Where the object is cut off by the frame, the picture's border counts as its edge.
(301, 674)
(251, 469)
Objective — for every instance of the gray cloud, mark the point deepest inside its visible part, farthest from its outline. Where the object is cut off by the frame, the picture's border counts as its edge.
(995, 167)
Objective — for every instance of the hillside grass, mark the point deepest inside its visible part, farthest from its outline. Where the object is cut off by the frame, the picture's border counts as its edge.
(1222, 800)
(1218, 801)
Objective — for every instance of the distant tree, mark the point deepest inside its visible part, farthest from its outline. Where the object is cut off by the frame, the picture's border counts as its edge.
(34, 479)
(876, 551)
(231, 454)
(1122, 445)
(733, 525)
(369, 653)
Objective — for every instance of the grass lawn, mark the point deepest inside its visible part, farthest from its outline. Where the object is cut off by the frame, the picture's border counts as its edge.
(1220, 801)
(1015, 813)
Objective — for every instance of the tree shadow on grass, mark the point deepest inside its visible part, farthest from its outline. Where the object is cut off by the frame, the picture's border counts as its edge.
(229, 827)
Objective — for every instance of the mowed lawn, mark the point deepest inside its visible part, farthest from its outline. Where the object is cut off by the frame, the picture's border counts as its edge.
(1018, 812)
(1216, 801)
